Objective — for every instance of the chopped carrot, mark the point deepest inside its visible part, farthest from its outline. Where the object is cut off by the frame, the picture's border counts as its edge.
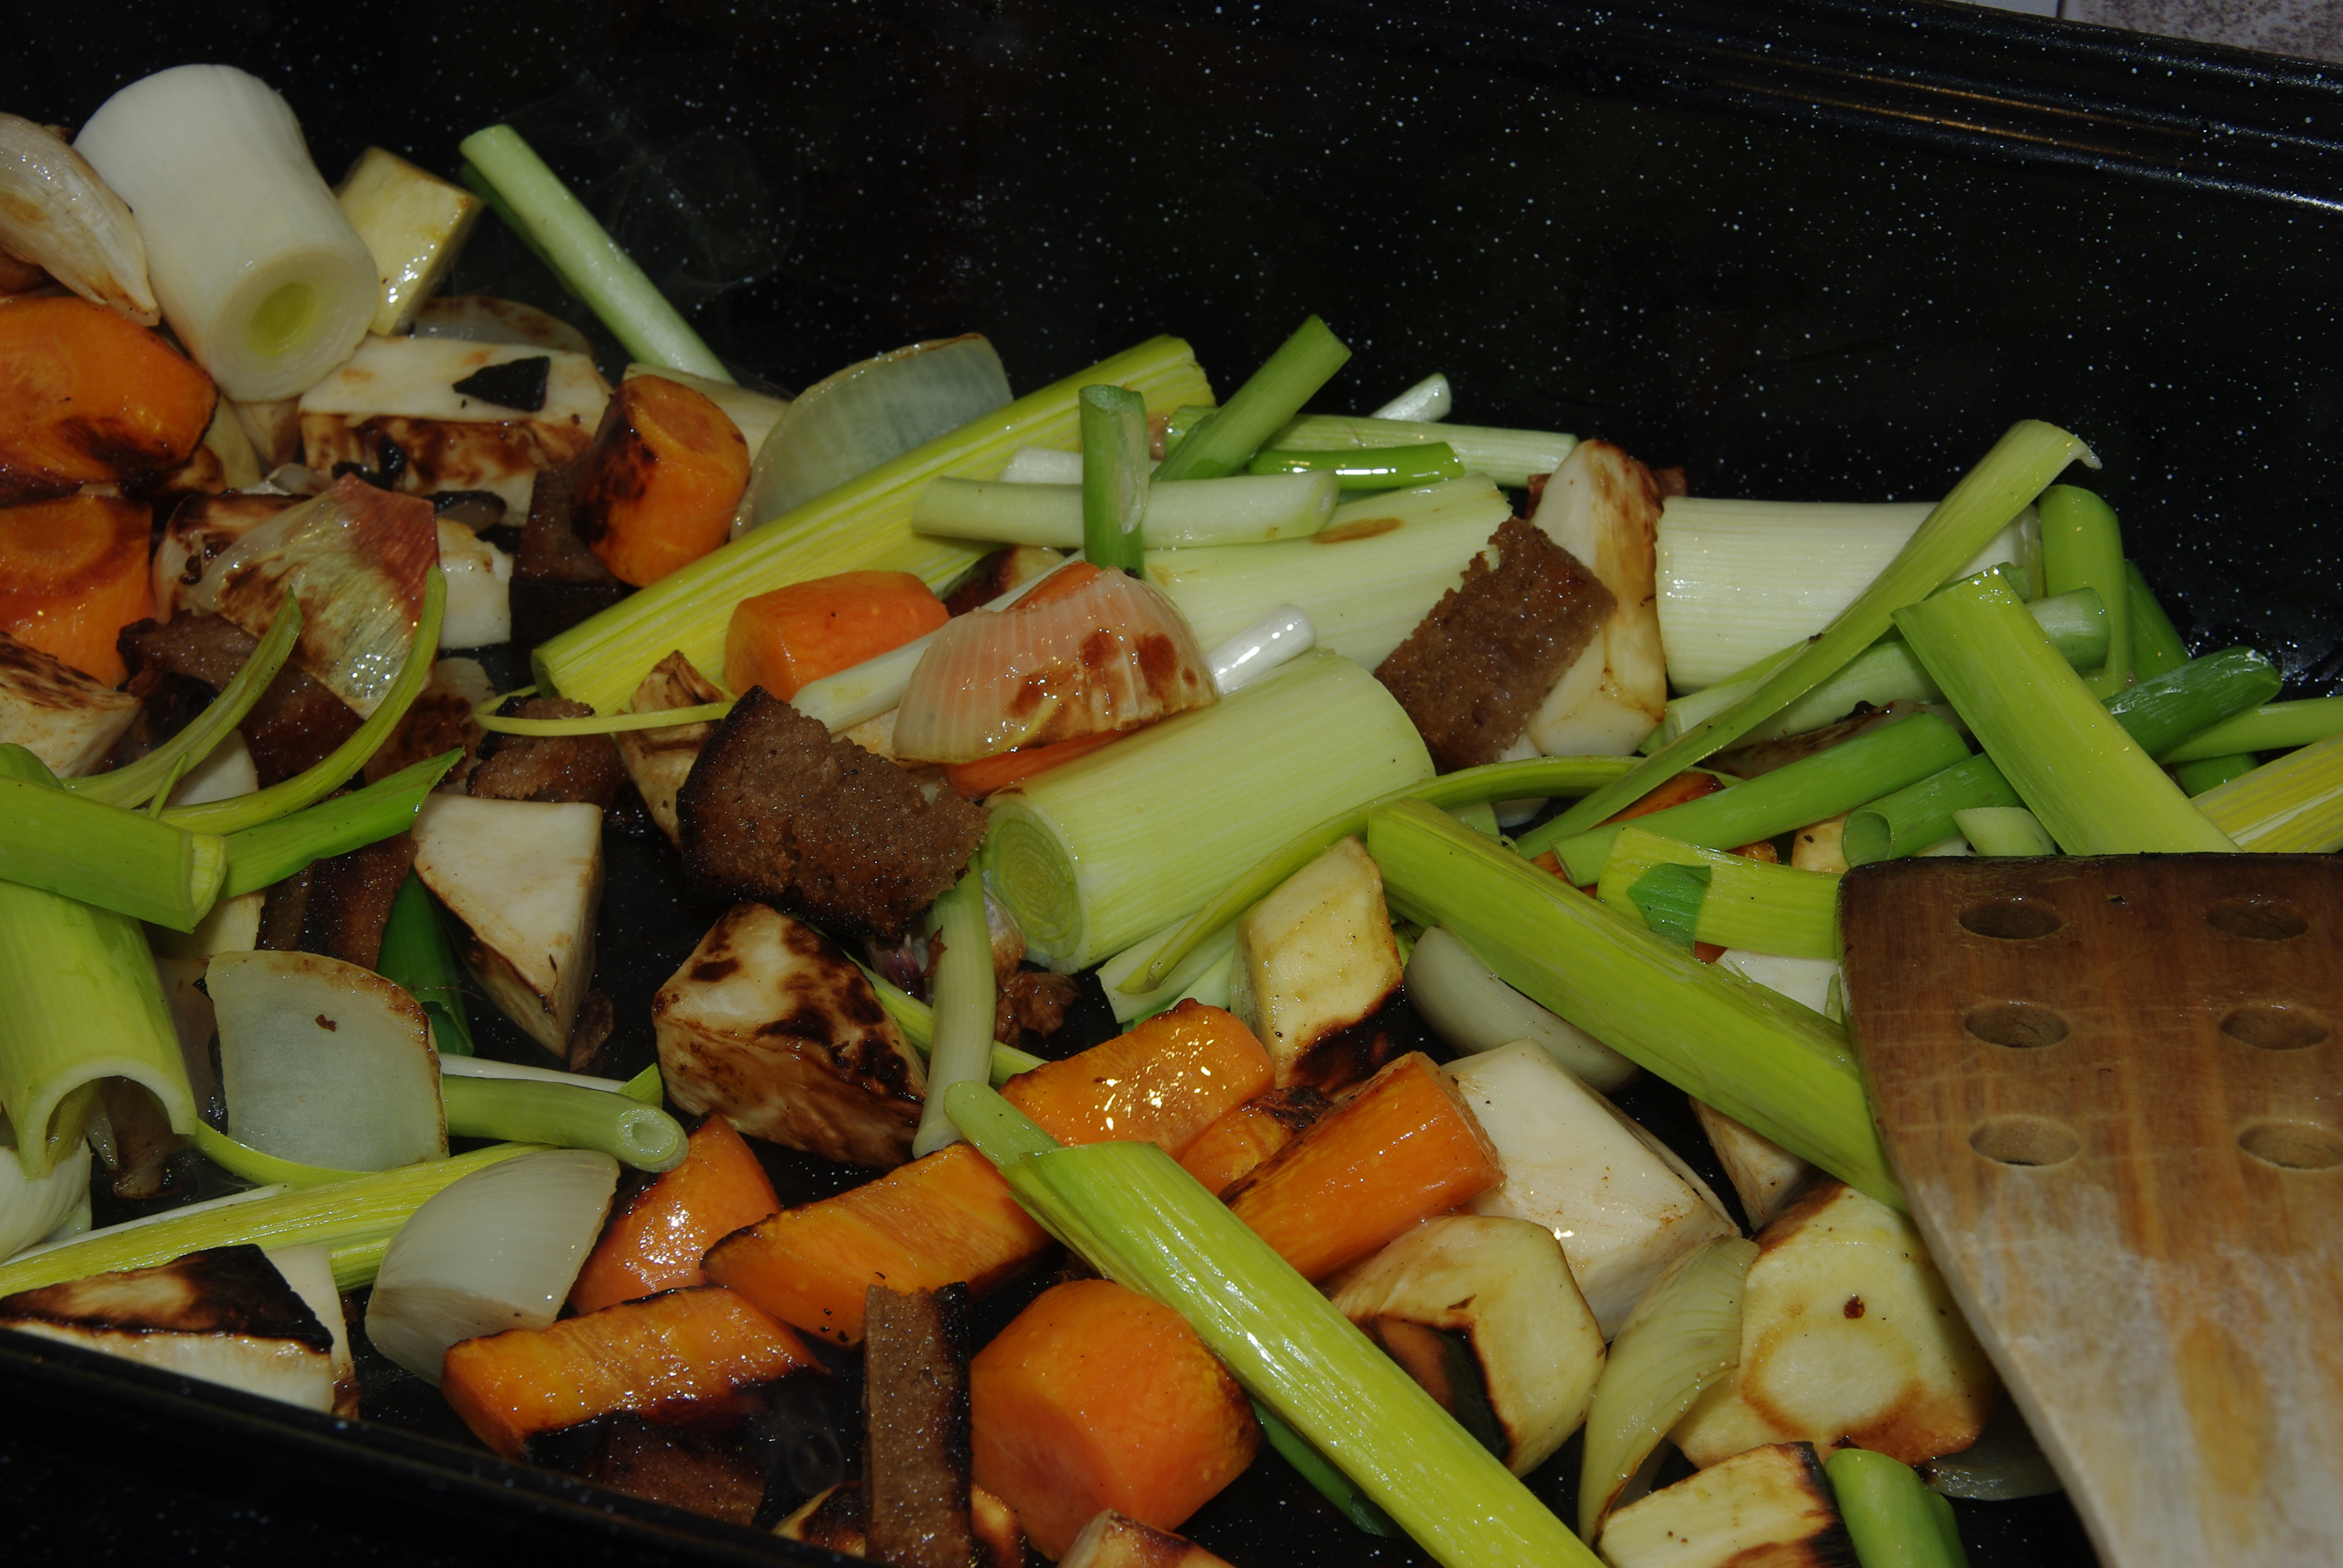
(987, 775)
(88, 397)
(1244, 1139)
(73, 574)
(1095, 1397)
(659, 483)
(783, 639)
(1684, 787)
(922, 1226)
(1164, 1082)
(1402, 1149)
(693, 1348)
(1064, 583)
(657, 1244)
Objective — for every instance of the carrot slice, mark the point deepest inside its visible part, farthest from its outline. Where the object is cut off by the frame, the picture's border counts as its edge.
(88, 397)
(1684, 787)
(1095, 1397)
(1245, 1138)
(1402, 1149)
(73, 574)
(1163, 1082)
(661, 480)
(920, 1227)
(1064, 583)
(783, 639)
(987, 775)
(657, 1244)
(686, 1348)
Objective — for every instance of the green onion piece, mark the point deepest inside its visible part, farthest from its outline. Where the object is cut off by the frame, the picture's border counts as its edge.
(1272, 395)
(582, 254)
(417, 956)
(565, 1116)
(487, 717)
(918, 1022)
(646, 1086)
(1134, 1215)
(152, 776)
(1894, 1520)
(2291, 806)
(2196, 777)
(961, 1041)
(1743, 903)
(2156, 645)
(1184, 515)
(2272, 726)
(2003, 830)
(2094, 789)
(1509, 457)
(2083, 547)
(1115, 478)
(260, 1168)
(258, 856)
(1325, 1479)
(103, 855)
(1669, 896)
(2190, 699)
(1367, 467)
(1988, 495)
(1772, 1066)
(1811, 790)
(1912, 819)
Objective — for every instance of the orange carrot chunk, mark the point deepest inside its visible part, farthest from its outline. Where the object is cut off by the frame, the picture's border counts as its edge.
(657, 1244)
(683, 1350)
(1095, 1397)
(783, 639)
(920, 1227)
(1676, 791)
(1403, 1148)
(974, 780)
(660, 481)
(73, 574)
(1245, 1138)
(88, 397)
(1164, 1082)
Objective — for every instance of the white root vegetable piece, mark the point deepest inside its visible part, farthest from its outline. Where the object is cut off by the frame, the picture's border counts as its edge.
(413, 224)
(1848, 1336)
(482, 319)
(1603, 506)
(1771, 1505)
(753, 413)
(1483, 1313)
(1113, 1539)
(324, 1063)
(58, 714)
(1314, 962)
(1473, 1010)
(1806, 982)
(1822, 847)
(30, 1209)
(524, 878)
(309, 1270)
(227, 772)
(659, 760)
(770, 1026)
(274, 429)
(1621, 1203)
(55, 212)
(479, 589)
(1764, 1175)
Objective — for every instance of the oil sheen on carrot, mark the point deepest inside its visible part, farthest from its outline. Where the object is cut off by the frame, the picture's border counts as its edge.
(1163, 1082)
(658, 1242)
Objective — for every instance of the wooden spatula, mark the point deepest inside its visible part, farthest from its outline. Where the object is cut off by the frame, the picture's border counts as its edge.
(2113, 1090)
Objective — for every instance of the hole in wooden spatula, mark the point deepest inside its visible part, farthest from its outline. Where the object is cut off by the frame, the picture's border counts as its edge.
(2011, 919)
(2256, 919)
(2024, 1141)
(2293, 1145)
(2274, 1027)
(2019, 1025)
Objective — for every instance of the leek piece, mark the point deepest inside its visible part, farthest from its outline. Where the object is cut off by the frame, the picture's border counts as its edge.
(1273, 394)
(151, 776)
(585, 258)
(864, 523)
(2003, 830)
(1428, 400)
(2291, 806)
(1114, 477)
(258, 857)
(1510, 458)
(2094, 789)
(1811, 790)
(1131, 1006)
(1669, 897)
(1134, 1215)
(2272, 726)
(1325, 1479)
(487, 717)
(2192, 698)
(1247, 509)
(2156, 645)
(261, 1168)
(1920, 814)
(564, 1116)
(2082, 547)
(1743, 903)
(103, 855)
(1894, 1520)
(2196, 777)
(960, 1042)
(1092, 856)
(918, 1022)
(355, 1219)
(1987, 497)
(1684, 1334)
(1770, 1064)
(646, 1086)
(417, 956)
(1368, 468)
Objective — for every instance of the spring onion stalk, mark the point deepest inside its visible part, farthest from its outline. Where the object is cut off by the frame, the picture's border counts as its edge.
(2003, 830)
(1986, 499)
(1114, 477)
(1131, 1006)
(1325, 1479)
(2082, 547)
(2196, 777)
(258, 857)
(1682, 1336)
(1220, 445)
(863, 524)
(1272, 642)
(417, 956)
(1427, 400)
(1746, 903)
(1508, 457)
(1368, 468)
(2291, 806)
(2272, 726)
(105, 856)
(918, 1022)
(1534, 777)
(487, 719)
(1134, 1215)
(564, 1116)
(313, 785)
(2094, 787)
(1244, 510)
(151, 776)
(1092, 856)
(1811, 790)
(644, 1085)
(1764, 1060)
(261, 1168)
(356, 1219)
(1684, 712)
(961, 1042)
(2200, 694)
(2156, 648)
(1894, 1520)
(582, 254)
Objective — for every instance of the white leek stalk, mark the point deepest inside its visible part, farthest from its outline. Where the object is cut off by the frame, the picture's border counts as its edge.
(55, 212)
(2294, 805)
(257, 267)
(2003, 830)
(1427, 400)
(1509, 457)
(1276, 640)
(1470, 1009)
(33, 1206)
(961, 1051)
(518, 1072)
(1214, 952)
(1043, 466)
(1244, 508)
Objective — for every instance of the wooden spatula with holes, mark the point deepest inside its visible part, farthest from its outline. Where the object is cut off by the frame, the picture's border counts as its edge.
(2113, 1090)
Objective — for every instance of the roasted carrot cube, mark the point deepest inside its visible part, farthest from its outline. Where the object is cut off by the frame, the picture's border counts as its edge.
(658, 1242)
(1163, 1082)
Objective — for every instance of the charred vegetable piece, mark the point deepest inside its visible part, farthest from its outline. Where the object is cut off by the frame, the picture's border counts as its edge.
(557, 768)
(659, 760)
(92, 398)
(1164, 1082)
(836, 1518)
(1315, 964)
(1241, 1139)
(659, 483)
(296, 725)
(65, 718)
(509, 384)
(413, 224)
(73, 574)
(915, 1405)
(525, 880)
(340, 907)
(1604, 508)
(1769, 1506)
(656, 1244)
(1113, 1539)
